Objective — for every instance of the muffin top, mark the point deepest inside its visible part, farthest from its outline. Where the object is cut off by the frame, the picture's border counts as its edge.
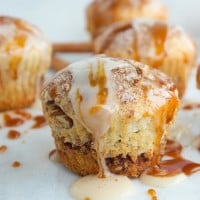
(16, 34)
(102, 13)
(101, 87)
(146, 40)
(17, 39)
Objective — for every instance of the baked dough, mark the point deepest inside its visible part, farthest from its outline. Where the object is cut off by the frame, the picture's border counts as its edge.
(25, 55)
(109, 115)
(153, 42)
(102, 13)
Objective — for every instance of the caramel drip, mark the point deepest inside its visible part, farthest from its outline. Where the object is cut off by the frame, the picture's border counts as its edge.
(99, 80)
(12, 121)
(21, 25)
(191, 106)
(16, 164)
(18, 42)
(13, 134)
(174, 166)
(159, 35)
(135, 46)
(173, 148)
(79, 97)
(24, 114)
(159, 121)
(152, 194)
(109, 39)
(3, 148)
(13, 65)
(39, 122)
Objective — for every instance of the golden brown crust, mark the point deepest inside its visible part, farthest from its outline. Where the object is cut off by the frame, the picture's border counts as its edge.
(167, 48)
(25, 55)
(83, 160)
(102, 13)
(18, 96)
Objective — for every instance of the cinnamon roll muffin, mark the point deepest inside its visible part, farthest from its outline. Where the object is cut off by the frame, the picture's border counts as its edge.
(102, 13)
(25, 55)
(153, 42)
(109, 115)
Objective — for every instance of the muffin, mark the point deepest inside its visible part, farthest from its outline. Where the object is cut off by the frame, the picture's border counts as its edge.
(25, 55)
(102, 13)
(109, 115)
(153, 42)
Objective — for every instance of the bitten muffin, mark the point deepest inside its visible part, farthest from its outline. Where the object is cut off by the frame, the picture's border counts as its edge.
(25, 55)
(153, 42)
(109, 115)
(102, 13)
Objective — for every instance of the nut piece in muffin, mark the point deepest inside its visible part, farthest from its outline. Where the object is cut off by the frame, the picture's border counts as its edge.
(109, 115)
(102, 13)
(153, 42)
(25, 55)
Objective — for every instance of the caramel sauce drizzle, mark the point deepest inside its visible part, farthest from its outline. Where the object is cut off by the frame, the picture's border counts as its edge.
(12, 121)
(152, 194)
(13, 64)
(79, 97)
(191, 106)
(24, 114)
(13, 134)
(18, 42)
(174, 166)
(39, 122)
(16, 164)
(159, 35)
(3, 148)
(109, 39)
(99, 80)
(135, 47)
(21, 25)
(173, 149)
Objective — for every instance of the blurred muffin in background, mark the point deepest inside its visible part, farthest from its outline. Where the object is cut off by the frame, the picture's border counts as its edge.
(25, 55)
(153, 42)
(102, 13)
(109, 115)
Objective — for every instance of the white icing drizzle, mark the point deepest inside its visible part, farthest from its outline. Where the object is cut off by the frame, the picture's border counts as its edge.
(88, 79)
(162, 182)
(98, 122)
(114, 187)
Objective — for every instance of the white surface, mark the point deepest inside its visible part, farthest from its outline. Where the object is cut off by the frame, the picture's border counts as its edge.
(41, 179)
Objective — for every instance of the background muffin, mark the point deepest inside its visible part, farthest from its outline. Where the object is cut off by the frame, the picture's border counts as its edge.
(25, 55)
(109, 115)
(102, 13)
(162, 46)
